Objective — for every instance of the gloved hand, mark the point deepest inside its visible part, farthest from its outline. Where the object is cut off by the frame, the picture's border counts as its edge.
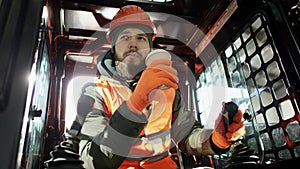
(158, 73)
(229, 126)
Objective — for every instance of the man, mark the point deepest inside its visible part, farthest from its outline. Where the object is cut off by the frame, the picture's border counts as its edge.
(127, 120)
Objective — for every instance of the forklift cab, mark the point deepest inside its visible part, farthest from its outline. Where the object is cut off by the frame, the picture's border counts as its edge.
(242, 51)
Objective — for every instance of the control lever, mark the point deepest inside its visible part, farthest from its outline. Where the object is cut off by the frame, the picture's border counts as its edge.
(242, 155)
(229, 111)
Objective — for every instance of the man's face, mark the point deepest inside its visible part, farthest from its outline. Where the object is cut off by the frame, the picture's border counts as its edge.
(131, 49)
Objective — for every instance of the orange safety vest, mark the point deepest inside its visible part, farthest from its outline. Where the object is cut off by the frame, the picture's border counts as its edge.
(155, 138)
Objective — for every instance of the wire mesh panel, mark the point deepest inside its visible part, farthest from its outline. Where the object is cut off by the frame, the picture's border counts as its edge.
(253, 58)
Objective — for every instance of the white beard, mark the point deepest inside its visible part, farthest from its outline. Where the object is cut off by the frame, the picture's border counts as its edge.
(122, 69)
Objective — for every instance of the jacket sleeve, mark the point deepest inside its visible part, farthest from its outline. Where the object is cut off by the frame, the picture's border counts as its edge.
(108, 140)
(191, 138)
(84, 106)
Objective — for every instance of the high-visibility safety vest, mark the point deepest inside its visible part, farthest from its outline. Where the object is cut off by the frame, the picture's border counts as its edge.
(155, 138)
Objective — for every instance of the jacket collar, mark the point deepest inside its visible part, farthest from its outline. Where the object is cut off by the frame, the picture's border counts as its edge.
(107, 70)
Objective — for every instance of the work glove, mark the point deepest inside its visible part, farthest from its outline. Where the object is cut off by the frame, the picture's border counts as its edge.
(229, 126)
(157, 74)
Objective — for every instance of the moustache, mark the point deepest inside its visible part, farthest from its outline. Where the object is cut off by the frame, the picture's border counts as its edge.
(132, 53)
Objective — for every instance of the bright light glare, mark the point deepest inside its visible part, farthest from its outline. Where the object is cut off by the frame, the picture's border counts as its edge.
(73, 92)
(45, 13)
(80, 20)
(161, 0)
(108, 13)
(32, 76)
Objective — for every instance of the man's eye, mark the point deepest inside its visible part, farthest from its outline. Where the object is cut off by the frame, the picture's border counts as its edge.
(124, 37)
(143, 38)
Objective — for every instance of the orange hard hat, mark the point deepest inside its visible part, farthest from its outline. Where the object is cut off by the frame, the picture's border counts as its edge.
(131, 15)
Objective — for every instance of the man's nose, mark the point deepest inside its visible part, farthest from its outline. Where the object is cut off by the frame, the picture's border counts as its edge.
(133, 44)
